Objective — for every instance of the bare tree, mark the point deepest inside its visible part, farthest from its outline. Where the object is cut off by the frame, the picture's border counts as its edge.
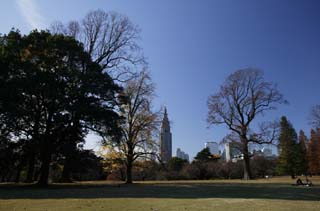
(140, 124)
(243, 96)
(110, 38)
(315, 116)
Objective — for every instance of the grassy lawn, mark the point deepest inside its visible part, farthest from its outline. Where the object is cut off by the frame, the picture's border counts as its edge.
(272, 194)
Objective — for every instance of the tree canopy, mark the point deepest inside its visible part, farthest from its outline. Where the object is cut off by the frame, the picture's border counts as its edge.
(52, 94)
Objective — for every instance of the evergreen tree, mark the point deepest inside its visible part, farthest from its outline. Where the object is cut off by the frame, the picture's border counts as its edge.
(313, 153)
(302, 153)
(204, 155)
(287, 162)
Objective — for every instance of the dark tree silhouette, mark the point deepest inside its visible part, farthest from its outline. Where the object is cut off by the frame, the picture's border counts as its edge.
(205, 155)
(59, 94)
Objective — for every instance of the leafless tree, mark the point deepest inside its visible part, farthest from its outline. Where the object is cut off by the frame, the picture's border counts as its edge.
(315, 116)
(140, 124)
(110, 38)
(243, 96)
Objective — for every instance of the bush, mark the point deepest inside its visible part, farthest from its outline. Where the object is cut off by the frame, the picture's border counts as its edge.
(262, 166)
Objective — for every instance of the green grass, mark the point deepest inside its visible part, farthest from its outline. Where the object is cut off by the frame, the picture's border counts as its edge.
(272, 194)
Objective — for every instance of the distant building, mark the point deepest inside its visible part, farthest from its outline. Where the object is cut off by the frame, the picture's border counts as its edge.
(233, 152)
(257, 153)
(213, 147)
(267, 152)
(181, 154)
(165, 139)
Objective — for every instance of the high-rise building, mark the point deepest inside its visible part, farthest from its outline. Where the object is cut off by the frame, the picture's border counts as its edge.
(232, 151)
(181, 154)
(213, 147)
(165, 139)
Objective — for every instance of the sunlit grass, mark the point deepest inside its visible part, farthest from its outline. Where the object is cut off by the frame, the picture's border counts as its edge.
(272, 194)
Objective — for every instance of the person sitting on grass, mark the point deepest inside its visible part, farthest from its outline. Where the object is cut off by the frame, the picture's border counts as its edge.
(308, 182)
(299, 182)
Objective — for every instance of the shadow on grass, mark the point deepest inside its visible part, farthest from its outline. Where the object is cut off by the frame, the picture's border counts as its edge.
(176, 191)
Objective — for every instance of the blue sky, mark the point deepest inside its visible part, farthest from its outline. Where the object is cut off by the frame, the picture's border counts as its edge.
(192, 46)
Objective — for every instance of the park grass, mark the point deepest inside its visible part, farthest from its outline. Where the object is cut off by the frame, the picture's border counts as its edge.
(273, 194)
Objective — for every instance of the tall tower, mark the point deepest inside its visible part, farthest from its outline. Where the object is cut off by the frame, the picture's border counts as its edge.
(165, 139)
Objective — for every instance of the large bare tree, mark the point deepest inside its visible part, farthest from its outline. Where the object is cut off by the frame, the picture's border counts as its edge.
(140, 123)
(111, 39)
(243, 96)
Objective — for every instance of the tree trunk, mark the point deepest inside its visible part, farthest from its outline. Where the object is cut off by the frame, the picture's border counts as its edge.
(45, 154)
(45, 166)
(246, 161)
(32, 150)
(129, 170)
(30, 171)
(66, 172)
(19, 169)
(70, 150)
(36, 175)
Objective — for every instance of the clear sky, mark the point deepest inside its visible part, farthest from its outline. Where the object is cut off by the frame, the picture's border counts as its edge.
(192, 46)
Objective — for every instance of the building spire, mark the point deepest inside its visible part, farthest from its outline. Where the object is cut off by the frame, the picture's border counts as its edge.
(165, 120)
(165, 113)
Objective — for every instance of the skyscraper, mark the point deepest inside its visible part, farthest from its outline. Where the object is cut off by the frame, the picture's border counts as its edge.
(181, 154)
(232, 150)
(165, 139)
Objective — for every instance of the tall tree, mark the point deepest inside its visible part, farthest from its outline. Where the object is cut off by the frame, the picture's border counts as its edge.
(110, 38)
(302, 153)
(244, 96)
(314, 152)
(59, 94)
(289, 156)
(139, 122)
